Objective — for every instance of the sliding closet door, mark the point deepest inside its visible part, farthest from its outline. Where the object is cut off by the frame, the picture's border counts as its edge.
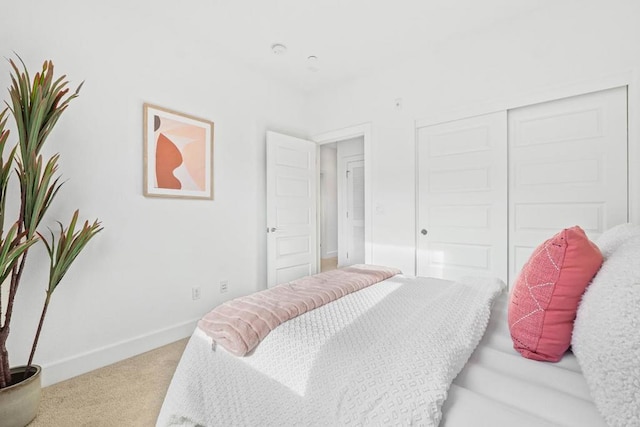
(567, 166)
(462, 198)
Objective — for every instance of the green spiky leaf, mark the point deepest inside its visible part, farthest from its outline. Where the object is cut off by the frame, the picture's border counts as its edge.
(69, 245)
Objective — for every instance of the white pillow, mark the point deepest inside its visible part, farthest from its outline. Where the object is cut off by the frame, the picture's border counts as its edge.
(611, 239)
(606, 336)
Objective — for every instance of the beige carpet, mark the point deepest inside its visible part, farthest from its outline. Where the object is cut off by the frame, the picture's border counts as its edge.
(327, 264)
(128, 393)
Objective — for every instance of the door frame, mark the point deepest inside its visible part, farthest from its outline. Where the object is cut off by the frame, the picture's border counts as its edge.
(363, 130)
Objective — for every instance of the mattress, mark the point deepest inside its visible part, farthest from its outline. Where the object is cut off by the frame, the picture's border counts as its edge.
(499, 387)
(283, 382)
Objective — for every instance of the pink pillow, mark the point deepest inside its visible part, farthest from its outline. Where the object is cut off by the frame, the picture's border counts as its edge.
(547, 291)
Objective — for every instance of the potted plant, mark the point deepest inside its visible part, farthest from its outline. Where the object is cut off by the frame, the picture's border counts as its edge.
(36, 105)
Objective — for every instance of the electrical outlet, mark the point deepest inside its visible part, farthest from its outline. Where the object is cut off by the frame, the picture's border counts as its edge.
(223, 286)
(195, 293)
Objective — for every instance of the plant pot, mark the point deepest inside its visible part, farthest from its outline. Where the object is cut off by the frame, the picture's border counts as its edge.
(19, 402)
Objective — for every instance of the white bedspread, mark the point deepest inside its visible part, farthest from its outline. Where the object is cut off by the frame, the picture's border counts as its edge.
(384, 355)
(500, 388)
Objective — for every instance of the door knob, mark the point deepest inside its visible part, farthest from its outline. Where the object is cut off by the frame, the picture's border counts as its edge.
(424, 232)
(273, 229)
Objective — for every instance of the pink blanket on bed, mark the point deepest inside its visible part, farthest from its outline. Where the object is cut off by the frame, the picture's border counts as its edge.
(240, 324)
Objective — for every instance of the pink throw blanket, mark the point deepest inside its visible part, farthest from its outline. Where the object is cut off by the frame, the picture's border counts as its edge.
(240, 324)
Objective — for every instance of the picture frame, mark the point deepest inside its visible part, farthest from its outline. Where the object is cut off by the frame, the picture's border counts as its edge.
(178, 154)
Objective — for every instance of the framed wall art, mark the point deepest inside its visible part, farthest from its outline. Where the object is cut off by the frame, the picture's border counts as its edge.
(178, 154)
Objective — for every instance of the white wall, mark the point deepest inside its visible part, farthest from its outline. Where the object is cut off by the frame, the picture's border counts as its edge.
(540, 54)
(350, 147)
(131, 290)
(329, 196)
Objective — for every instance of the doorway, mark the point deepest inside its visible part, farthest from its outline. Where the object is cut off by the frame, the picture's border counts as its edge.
(294, 202)
(341, 205)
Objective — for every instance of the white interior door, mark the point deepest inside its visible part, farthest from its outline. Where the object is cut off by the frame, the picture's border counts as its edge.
(568, 166)
(355, 212)
(462, 198)
(291, 208)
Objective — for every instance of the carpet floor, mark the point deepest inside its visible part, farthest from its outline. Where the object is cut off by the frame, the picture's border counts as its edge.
(327, 264)
(127, 393)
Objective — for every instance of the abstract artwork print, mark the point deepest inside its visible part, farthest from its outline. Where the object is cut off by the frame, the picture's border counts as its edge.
(178, 154)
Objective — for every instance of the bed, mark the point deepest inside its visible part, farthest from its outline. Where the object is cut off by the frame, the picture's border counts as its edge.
(369, 358)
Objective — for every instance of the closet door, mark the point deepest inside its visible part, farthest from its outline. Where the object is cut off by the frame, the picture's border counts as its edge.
(567, 166)
(462, 198)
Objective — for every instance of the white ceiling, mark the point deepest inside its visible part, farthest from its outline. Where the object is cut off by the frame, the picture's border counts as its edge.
(349, 37)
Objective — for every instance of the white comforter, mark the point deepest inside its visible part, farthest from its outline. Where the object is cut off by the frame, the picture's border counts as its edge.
(384, 355)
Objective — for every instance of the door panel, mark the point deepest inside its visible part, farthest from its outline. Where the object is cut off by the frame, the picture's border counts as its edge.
(568, 166)
(462, 198)
(355, 212)
(291, 208)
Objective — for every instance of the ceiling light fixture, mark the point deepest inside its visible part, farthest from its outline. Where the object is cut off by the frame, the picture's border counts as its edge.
(278, 49)
(312, 63)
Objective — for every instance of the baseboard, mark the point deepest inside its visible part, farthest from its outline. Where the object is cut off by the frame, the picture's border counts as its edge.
(331, 254)
(76, 365)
